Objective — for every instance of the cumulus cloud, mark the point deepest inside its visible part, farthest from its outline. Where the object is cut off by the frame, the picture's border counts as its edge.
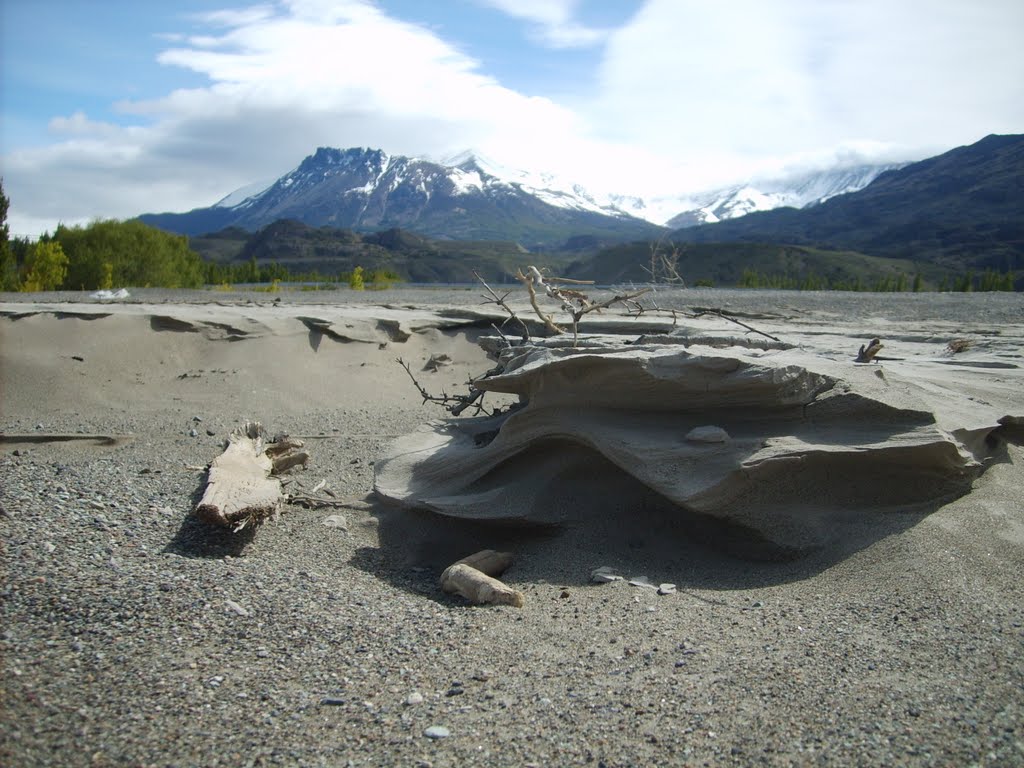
(552, 21)
(282, 81)
(688, 96)
(753, 82)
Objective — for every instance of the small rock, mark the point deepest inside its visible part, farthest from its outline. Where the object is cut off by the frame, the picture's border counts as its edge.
(564, 593)
(193, 433)
(197, 419)
(231, 605)
(437, 732)
(336, 521)
(641, 581)
(604, 575)
(709, 434)
(414, 698)
(332, 701)
(666, 589)
(211, 432)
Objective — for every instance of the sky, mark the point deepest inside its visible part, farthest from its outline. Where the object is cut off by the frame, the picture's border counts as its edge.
(113, 108)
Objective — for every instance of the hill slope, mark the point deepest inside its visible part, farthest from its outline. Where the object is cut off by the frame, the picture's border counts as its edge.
(961, 209)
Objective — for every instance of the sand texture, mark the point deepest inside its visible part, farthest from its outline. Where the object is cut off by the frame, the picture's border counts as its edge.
(821, 561)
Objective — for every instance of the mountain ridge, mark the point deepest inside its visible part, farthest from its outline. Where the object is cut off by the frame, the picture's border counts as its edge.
(368, 189)
(961, 209)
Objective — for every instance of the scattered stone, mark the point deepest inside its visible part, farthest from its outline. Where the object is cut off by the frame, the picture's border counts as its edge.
(666, 589)
(604, 575)
(332, 701)
(211, 432)
(336, 521)
(437, 361)
(564, 593)
(641, 581)
(414, 698)
(197, 419)
(437, 732)
(708, 434)
(193, 433)
(231, 605)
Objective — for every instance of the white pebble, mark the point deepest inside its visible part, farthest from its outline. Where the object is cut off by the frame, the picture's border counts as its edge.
(707, 434)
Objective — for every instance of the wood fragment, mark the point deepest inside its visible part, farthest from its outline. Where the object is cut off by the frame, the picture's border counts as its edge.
(488, 561)
(866, 354)
(240, 486)
(478, 587)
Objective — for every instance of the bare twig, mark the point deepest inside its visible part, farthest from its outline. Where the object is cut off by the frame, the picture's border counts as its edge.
(500, 301)
(313, 502)
(454, 404)
(724, 316)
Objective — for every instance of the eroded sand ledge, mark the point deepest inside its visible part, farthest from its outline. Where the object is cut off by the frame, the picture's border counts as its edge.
(781, 445)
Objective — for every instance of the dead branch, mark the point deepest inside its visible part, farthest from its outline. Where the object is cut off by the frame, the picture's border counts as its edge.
(473, 578)
(724, 316)
(454, 404)
(532, 280)
(866, 354)
(500, 301)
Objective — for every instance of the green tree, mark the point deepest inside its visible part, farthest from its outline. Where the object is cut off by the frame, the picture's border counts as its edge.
(128, 253)
(355, 281)
(8, 266)
(45, 268)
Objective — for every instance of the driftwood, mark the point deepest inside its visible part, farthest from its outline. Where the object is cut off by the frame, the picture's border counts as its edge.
(867, 354)
(241, 488)
(473, 578)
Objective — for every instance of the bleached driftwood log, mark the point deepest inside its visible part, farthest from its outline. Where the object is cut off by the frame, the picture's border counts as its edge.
(473, 578)
(240, 487)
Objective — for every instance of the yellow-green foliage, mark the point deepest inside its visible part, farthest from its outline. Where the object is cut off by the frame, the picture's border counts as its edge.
(127, 253)
(45, 267)
(355, 281)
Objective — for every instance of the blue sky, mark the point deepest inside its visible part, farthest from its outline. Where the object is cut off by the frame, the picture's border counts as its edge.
(114, 108)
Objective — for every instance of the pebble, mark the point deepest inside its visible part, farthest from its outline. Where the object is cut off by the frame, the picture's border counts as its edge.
(231, 605)
(708, 434)
(414, 698)
(437, 732)
(666, 589)
(604, 575)
(336, 521)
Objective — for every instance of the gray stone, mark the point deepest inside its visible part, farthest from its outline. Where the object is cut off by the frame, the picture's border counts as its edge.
(437, 732)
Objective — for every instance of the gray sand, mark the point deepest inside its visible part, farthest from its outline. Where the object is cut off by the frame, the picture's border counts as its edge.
(133, 635)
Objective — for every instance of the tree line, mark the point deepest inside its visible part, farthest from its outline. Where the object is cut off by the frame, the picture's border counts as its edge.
(113, 254)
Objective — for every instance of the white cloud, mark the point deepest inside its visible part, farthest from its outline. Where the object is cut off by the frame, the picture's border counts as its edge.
(319, 74)
(552, 21)
(690, 96)
(750, 82)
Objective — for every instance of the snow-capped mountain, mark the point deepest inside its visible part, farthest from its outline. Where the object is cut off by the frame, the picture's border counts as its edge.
(466, 198)
(793, 192)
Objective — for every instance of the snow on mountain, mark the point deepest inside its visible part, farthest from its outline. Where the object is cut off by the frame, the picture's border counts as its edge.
(372, 187)
(242, 194)
(795, 192)
(548, 187)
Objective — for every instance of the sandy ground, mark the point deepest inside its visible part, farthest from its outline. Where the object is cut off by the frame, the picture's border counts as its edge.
(133, 635)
